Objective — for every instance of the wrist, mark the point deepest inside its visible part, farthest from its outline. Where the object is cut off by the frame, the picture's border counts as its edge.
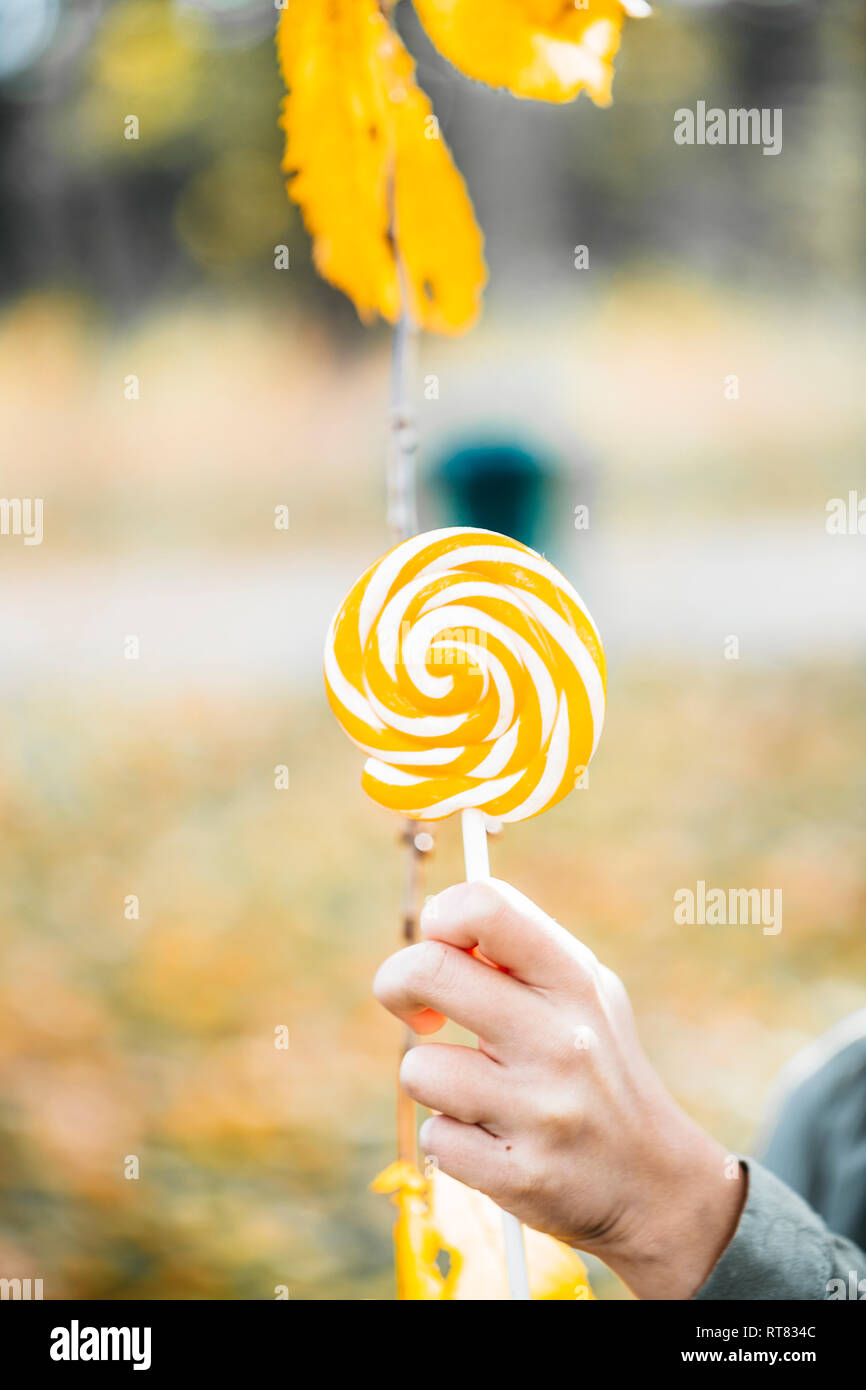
(689, 1216)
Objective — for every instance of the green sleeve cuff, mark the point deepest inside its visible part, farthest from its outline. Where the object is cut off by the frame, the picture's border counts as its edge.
(782, 1249)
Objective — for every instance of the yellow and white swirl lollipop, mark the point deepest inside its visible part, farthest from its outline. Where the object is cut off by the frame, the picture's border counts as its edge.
(471, 673)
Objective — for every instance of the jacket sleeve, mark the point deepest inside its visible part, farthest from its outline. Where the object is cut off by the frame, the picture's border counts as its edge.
(782, 1249)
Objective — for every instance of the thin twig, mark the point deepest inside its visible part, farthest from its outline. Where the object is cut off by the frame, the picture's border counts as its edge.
(413, 892)
(402, 513)
(402, 437)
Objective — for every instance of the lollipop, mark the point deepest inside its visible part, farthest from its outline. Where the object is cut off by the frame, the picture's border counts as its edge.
(471, 674)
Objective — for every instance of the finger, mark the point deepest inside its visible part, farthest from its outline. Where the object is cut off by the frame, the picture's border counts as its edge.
(459, 1081)
(512, 931)
(467, 1153)
(431, 975)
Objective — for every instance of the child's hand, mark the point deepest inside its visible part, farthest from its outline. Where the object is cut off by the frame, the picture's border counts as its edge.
(558, 1115)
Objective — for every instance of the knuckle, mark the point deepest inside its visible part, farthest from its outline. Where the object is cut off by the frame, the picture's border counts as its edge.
(407, 978)
(521, 1184)
(571, 1042)
(558, 1117)
(614, 987)
(590, 969)
(573, 1049)
(583, 1040)
(485, 902)
(431, 967)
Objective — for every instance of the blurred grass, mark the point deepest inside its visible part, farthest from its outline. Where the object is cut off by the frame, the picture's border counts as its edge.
(260, 908)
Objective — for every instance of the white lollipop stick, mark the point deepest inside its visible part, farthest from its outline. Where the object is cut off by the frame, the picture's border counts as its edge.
(477, 863)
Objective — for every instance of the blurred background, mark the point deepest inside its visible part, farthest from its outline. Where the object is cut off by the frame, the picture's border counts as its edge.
(153, 778)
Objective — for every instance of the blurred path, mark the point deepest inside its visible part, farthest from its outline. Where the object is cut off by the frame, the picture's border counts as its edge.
(790, 593)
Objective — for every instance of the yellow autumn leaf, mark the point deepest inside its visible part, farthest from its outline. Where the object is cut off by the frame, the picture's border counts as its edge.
(339, 143)
(448, 1244)
(439, 240)
(546, 49)
(369, 170)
